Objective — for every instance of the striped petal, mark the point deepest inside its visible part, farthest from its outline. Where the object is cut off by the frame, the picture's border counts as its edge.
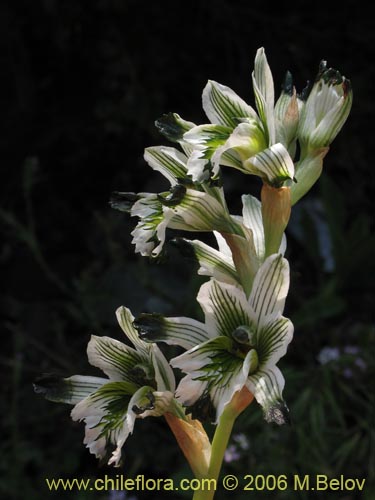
(181, 331)
(272, 340)
(246, 140)
(264, 93)
(212, 262)
(232, 159)
(273, 164)
(104, 413)
(125, 320)
(225, 307)
(164, 376)
(212, 370)
(118, 361)
(244, 257)
(287, 111)
(267, 387)
(270, 288)
(205, 139)
(222, 395)
(67, 390)
(149, 234)
(252, 218)
(199, 211)
(168, 161)
(223, 106)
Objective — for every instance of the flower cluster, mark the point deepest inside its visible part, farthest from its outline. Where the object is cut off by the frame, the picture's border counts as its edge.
(236, 349)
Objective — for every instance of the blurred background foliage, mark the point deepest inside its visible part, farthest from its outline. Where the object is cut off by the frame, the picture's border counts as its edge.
(83, 83)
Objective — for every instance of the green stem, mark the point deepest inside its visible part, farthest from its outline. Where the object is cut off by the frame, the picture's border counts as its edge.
(219, 445)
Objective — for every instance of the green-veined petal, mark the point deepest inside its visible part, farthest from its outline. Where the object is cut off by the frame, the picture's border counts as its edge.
(212, 262)
(273, 164)
(149, 234)
(270, 288)
(287, 110)
(168, 161)
(223, 106)
(181, 331)
(225, 307)
(247, 139)
(200, 211)
(267, 386)
(164, 376)
(205, 139)
(223, 395)
(67, 390)
(212, 370)
(104, 413)
(264, 93)
(272, 340)
(125, 320)
(252, 218)
(119, 361)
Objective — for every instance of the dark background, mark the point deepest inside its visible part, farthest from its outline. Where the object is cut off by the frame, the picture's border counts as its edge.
(83, 82)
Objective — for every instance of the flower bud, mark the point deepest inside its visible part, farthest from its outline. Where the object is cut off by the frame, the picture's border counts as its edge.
(326, 109)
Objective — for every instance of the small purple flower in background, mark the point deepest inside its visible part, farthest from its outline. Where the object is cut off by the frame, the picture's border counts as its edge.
(234, 451)
(242, 441)
(119, 495)
(328, 354)
(348, 358)
(232, 454)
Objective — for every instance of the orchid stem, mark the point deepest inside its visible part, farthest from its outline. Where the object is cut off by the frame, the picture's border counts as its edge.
(219, 445)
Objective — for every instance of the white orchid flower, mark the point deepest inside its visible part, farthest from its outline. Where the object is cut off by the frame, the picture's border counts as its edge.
(140, 383)
(238, 137)
(239, 344)
(184, 207)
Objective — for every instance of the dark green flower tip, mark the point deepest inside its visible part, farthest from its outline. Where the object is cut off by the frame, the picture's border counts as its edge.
(52, 387)
(123, 201)
(305, 92)
(287, 85)
(174, 196)
(150, 326)
(172, 126)
(330, 76)
(277, 413)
